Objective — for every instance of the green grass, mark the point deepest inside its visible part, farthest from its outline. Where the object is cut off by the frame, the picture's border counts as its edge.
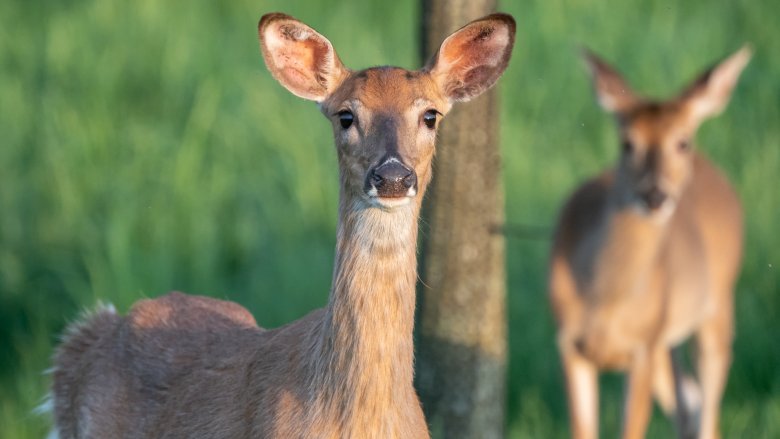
(145, 148)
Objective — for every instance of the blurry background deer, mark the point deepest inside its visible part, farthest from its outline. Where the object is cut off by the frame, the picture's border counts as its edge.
(145, 149)
(645, 255)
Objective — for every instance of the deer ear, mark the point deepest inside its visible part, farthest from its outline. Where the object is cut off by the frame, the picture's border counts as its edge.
(472, 59)
(302, 60)
(613, 92)
(710, 93)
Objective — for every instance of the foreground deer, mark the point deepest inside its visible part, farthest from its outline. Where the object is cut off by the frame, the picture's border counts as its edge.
(187, 367)
(647, 254)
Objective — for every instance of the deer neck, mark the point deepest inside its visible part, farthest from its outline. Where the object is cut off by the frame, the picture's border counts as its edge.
(629, 243)
(366, 346)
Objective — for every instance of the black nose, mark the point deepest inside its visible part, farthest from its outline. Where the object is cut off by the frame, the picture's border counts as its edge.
(391, 179)
(654, 198)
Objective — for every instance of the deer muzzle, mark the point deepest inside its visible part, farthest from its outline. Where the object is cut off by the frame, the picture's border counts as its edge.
(391, 179)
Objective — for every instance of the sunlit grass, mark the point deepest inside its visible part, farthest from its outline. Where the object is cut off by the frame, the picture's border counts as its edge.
(145, 148)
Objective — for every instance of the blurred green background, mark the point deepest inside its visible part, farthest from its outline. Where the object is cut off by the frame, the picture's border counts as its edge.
(144, 148)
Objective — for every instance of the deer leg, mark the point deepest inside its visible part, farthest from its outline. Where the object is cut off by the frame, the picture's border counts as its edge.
(714, 359)
(582, 390)
(638, 400)
(676, 392)
(663, 381)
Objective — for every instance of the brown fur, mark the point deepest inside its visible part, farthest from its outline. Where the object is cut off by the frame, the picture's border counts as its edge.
(628, 281)
(186, 366)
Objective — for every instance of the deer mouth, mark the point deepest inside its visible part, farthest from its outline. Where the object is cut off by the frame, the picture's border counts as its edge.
(390, 201)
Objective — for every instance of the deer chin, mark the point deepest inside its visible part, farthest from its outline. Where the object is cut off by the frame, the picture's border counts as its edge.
(388, 203)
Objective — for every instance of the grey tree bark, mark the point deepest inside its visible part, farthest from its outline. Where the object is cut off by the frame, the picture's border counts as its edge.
(462, 342)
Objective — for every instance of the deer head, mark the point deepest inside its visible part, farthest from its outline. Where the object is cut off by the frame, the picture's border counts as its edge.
(385, 118)
(657, 137)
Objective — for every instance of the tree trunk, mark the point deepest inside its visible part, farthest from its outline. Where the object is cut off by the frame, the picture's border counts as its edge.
(462, 356)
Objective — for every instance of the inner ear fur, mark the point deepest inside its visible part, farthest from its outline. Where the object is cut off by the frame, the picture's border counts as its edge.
(301, 59)
(472, 59)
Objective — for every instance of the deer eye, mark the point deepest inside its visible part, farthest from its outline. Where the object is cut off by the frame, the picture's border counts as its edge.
(346, 118)
(684, 146)
(627, 146)
(429, 119)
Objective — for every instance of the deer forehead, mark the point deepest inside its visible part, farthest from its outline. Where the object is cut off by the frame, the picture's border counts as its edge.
(655, 124)
(390, 91)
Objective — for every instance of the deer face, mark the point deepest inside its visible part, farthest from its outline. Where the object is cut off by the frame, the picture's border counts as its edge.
(384, 123)
(385, 118)
(656, 161)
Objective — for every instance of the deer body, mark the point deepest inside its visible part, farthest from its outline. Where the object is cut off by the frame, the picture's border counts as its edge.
(703, 236)
(188, 366)
(300, 380)
(662, 288)
(647, 254)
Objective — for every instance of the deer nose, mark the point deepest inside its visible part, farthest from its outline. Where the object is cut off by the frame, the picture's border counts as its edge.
(654, 198)
(392, 179)
(579, 345)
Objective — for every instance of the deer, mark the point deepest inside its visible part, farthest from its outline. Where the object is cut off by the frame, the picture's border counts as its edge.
(190, 366)
(646, 255)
